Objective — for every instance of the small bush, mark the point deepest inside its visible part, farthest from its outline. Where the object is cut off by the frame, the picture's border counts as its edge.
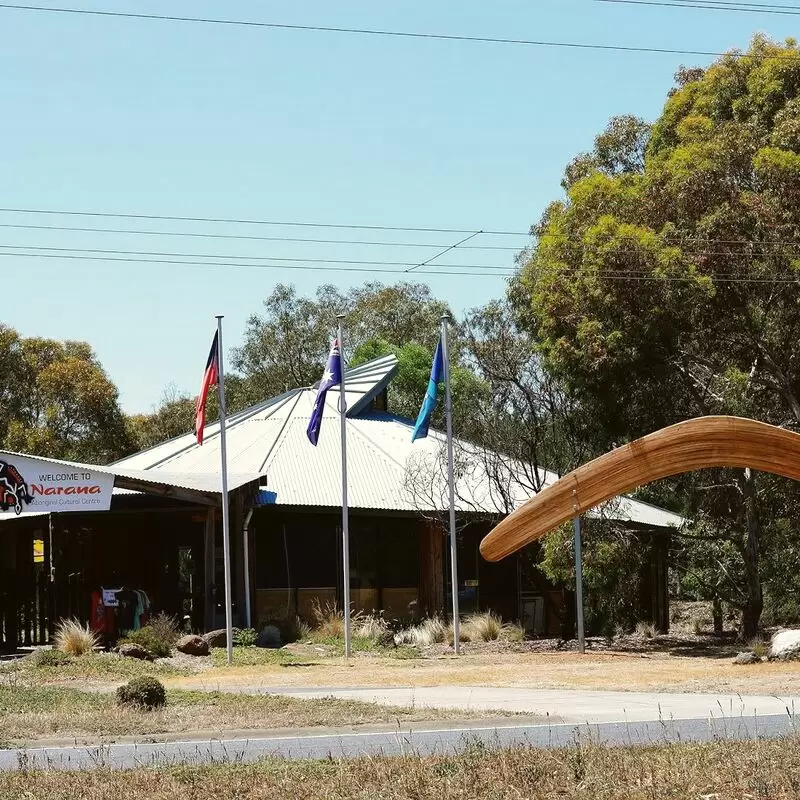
(328, 621)
(143, 693)
(645, 630)
(245, 637)
(51, 658)
(760, 647)
(165, 628)
(428, 632)
(73, 638)
(371, 627)
(150, 640)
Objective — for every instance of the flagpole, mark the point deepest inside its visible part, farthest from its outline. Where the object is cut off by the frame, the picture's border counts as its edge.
(226, 539)
(345, 516)
(448, 408)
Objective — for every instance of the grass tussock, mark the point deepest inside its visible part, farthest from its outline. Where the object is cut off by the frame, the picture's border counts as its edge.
(761, 769)
(485, 627)
(73, 638)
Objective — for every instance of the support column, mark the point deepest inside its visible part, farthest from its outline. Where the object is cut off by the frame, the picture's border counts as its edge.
(237, 554)
(209, 551)
(431, 569)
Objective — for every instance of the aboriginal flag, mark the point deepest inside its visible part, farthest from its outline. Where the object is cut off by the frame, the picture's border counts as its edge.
(210, 378)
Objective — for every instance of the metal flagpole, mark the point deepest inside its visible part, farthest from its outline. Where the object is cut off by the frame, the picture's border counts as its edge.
(345, 518)
(579, 584)
(226, 537)
(448, 408)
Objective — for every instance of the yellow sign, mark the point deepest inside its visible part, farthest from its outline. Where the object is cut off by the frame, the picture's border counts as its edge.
(38, 551)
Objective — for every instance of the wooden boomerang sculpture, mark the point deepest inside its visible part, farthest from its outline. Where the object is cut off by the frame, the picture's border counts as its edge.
(694, 444)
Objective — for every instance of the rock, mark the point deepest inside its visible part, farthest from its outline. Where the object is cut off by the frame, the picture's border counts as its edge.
(193, 646)
(131, 650)
(269, 637)
(218, 638)
(785, 646)
(747, 657)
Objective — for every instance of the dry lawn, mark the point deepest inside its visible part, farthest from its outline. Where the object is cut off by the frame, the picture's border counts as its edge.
(28, 714)
(717, 771)
(603, 671)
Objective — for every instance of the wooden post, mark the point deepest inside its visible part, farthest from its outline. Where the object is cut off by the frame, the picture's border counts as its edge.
(431, 569)
(210, 567)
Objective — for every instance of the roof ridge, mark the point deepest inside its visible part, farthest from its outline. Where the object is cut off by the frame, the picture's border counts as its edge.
(280, 437)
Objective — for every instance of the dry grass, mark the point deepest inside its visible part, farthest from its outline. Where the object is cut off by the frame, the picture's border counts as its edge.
(603, 671)
(328, 621)
(488, 627)
(73, 638)
(721, 770)
(28, 713)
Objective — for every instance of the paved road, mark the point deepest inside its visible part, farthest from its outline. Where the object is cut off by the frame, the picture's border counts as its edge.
(559, 705)
(392, 742)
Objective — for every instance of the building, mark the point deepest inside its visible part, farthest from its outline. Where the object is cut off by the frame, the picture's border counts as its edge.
(163, 531)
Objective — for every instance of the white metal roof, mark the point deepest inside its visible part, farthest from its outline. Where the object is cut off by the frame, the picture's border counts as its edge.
(385, 470)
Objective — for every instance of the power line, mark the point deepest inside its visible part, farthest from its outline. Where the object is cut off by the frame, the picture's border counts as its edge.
(364, 31)
(234, 221)
(244, 237)
(761, 243)
(240, 265)
(160, 254)
(784, 10)
(445, 251)
(611, 275)
(613, 251)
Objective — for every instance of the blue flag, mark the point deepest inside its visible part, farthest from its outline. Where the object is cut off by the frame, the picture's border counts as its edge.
(429, 403)
(331, 377)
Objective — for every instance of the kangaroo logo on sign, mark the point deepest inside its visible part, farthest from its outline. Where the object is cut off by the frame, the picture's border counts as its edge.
(14, 491)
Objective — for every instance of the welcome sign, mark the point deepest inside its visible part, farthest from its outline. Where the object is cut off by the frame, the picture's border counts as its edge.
(31, 486)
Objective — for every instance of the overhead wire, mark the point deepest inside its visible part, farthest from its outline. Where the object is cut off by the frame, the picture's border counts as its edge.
(744, 8)
(486, 271)
(245, 237)
(446, 37)
(240, 221)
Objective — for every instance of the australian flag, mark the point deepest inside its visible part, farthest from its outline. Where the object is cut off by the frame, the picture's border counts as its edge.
(331, 377)
(429, 403)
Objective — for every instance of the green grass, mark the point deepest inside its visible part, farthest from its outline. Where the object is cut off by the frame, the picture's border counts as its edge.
(252, 657)
(719, 770)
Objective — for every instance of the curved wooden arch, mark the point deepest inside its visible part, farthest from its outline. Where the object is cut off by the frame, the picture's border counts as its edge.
(695, 444)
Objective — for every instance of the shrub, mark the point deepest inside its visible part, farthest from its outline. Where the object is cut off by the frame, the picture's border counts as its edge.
(150, 640)
(269, 638)
(371, 627)
(143, 693)
(760, 647)
(246, 637)
(73, 638)
(645, 630)
(328, 621)
(428, 632)
(165, 628)
(50, 658)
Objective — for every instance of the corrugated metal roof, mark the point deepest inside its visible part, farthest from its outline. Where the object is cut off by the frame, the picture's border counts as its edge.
(385, 470)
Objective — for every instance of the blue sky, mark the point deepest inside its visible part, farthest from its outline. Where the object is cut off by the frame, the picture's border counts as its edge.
(162, 118)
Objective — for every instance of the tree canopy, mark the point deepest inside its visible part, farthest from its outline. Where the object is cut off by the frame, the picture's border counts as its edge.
(57, 401)
(664, 285)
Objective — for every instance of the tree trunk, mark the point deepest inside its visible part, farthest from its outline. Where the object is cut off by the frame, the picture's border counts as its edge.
(716, 612)
(751, 613)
